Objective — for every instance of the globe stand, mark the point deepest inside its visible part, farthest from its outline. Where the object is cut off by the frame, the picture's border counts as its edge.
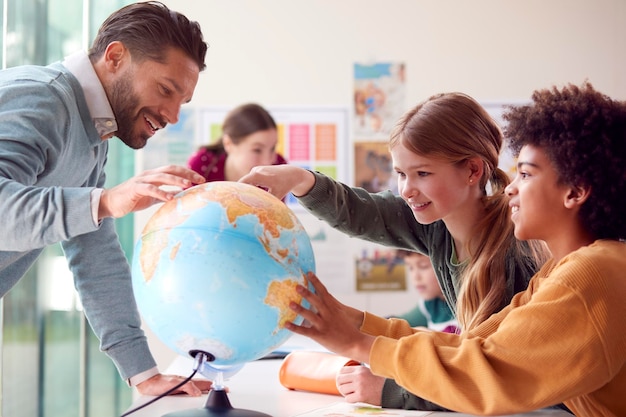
(217, 403)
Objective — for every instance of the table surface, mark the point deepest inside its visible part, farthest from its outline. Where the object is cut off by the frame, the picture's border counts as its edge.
(256, 387)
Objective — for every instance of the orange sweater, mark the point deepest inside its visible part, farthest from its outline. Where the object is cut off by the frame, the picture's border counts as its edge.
(563, 340)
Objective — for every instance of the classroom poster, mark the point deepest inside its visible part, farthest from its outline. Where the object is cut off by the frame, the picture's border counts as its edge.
(376, 267)
(373, 169)
(379, 268)
(379, 98)
(378, 103)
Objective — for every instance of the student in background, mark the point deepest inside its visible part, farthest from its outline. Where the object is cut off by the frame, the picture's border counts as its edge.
(249, 138)
(452, 207)
(358, 383)
(431, 311)
(564, 338)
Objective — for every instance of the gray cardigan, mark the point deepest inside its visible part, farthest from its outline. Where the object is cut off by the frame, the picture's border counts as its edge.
(386, 219)
(51, 158)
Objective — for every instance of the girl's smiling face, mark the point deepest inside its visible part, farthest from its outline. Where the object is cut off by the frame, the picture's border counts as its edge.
(433, 189)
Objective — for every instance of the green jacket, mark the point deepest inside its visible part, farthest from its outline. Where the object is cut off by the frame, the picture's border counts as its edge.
(434, 314)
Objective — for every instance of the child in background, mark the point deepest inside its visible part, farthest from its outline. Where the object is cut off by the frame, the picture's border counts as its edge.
(358, 383)
(249, 138)
(431, 311)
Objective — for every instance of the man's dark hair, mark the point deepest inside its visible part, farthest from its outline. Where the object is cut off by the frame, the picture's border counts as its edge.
(148, 29)
(583, 133)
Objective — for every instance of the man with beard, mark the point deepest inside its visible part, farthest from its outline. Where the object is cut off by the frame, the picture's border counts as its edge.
(55, 123)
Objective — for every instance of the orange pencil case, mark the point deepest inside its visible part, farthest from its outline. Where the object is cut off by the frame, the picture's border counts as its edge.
(312, 371)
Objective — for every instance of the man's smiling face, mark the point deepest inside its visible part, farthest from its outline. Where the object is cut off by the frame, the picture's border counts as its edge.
(147, 95)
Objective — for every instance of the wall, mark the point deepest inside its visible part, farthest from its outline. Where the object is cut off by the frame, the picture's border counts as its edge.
(283, 53)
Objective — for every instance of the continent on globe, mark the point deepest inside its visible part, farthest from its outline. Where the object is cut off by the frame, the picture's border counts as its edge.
(279, 295)
(216, 268)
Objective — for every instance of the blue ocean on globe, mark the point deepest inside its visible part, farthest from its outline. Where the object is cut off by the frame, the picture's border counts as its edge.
(216, 268)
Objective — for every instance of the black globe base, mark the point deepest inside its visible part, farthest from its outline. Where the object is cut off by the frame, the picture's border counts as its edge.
(217, 405)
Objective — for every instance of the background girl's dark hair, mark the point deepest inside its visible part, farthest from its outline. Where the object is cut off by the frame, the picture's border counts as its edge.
(148, 29)
(583, 132)
(241, 122)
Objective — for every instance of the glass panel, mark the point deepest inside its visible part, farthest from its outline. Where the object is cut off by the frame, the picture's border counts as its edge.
(20, 349)
(60, 336)
(64, 28)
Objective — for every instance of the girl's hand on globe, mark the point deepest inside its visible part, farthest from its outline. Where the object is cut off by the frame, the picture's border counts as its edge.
(281, 179)
(160, 383)
(144, 190)
(331, 323)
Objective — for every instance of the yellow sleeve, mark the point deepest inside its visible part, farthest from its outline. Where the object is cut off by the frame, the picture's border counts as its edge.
(378, 326)
(552, 346)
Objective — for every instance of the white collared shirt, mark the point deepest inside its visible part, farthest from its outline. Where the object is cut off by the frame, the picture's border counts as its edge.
(101, 113)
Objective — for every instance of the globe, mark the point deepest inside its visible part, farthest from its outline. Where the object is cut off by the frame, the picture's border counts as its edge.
(215, 269)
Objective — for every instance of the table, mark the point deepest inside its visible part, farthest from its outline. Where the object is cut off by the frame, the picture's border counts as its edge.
(256, 387)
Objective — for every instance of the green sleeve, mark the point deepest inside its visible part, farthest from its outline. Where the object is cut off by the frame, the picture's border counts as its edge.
(394, 396)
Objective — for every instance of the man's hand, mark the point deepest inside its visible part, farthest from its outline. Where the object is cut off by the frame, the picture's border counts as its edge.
(160, 383)
(144, 190)
(331, 323)
(359, 384)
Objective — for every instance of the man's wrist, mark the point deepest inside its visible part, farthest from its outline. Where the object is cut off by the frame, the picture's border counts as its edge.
(135, 380)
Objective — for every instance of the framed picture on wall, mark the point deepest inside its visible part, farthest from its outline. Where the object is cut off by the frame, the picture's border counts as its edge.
(379, 98)
(373, 169)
